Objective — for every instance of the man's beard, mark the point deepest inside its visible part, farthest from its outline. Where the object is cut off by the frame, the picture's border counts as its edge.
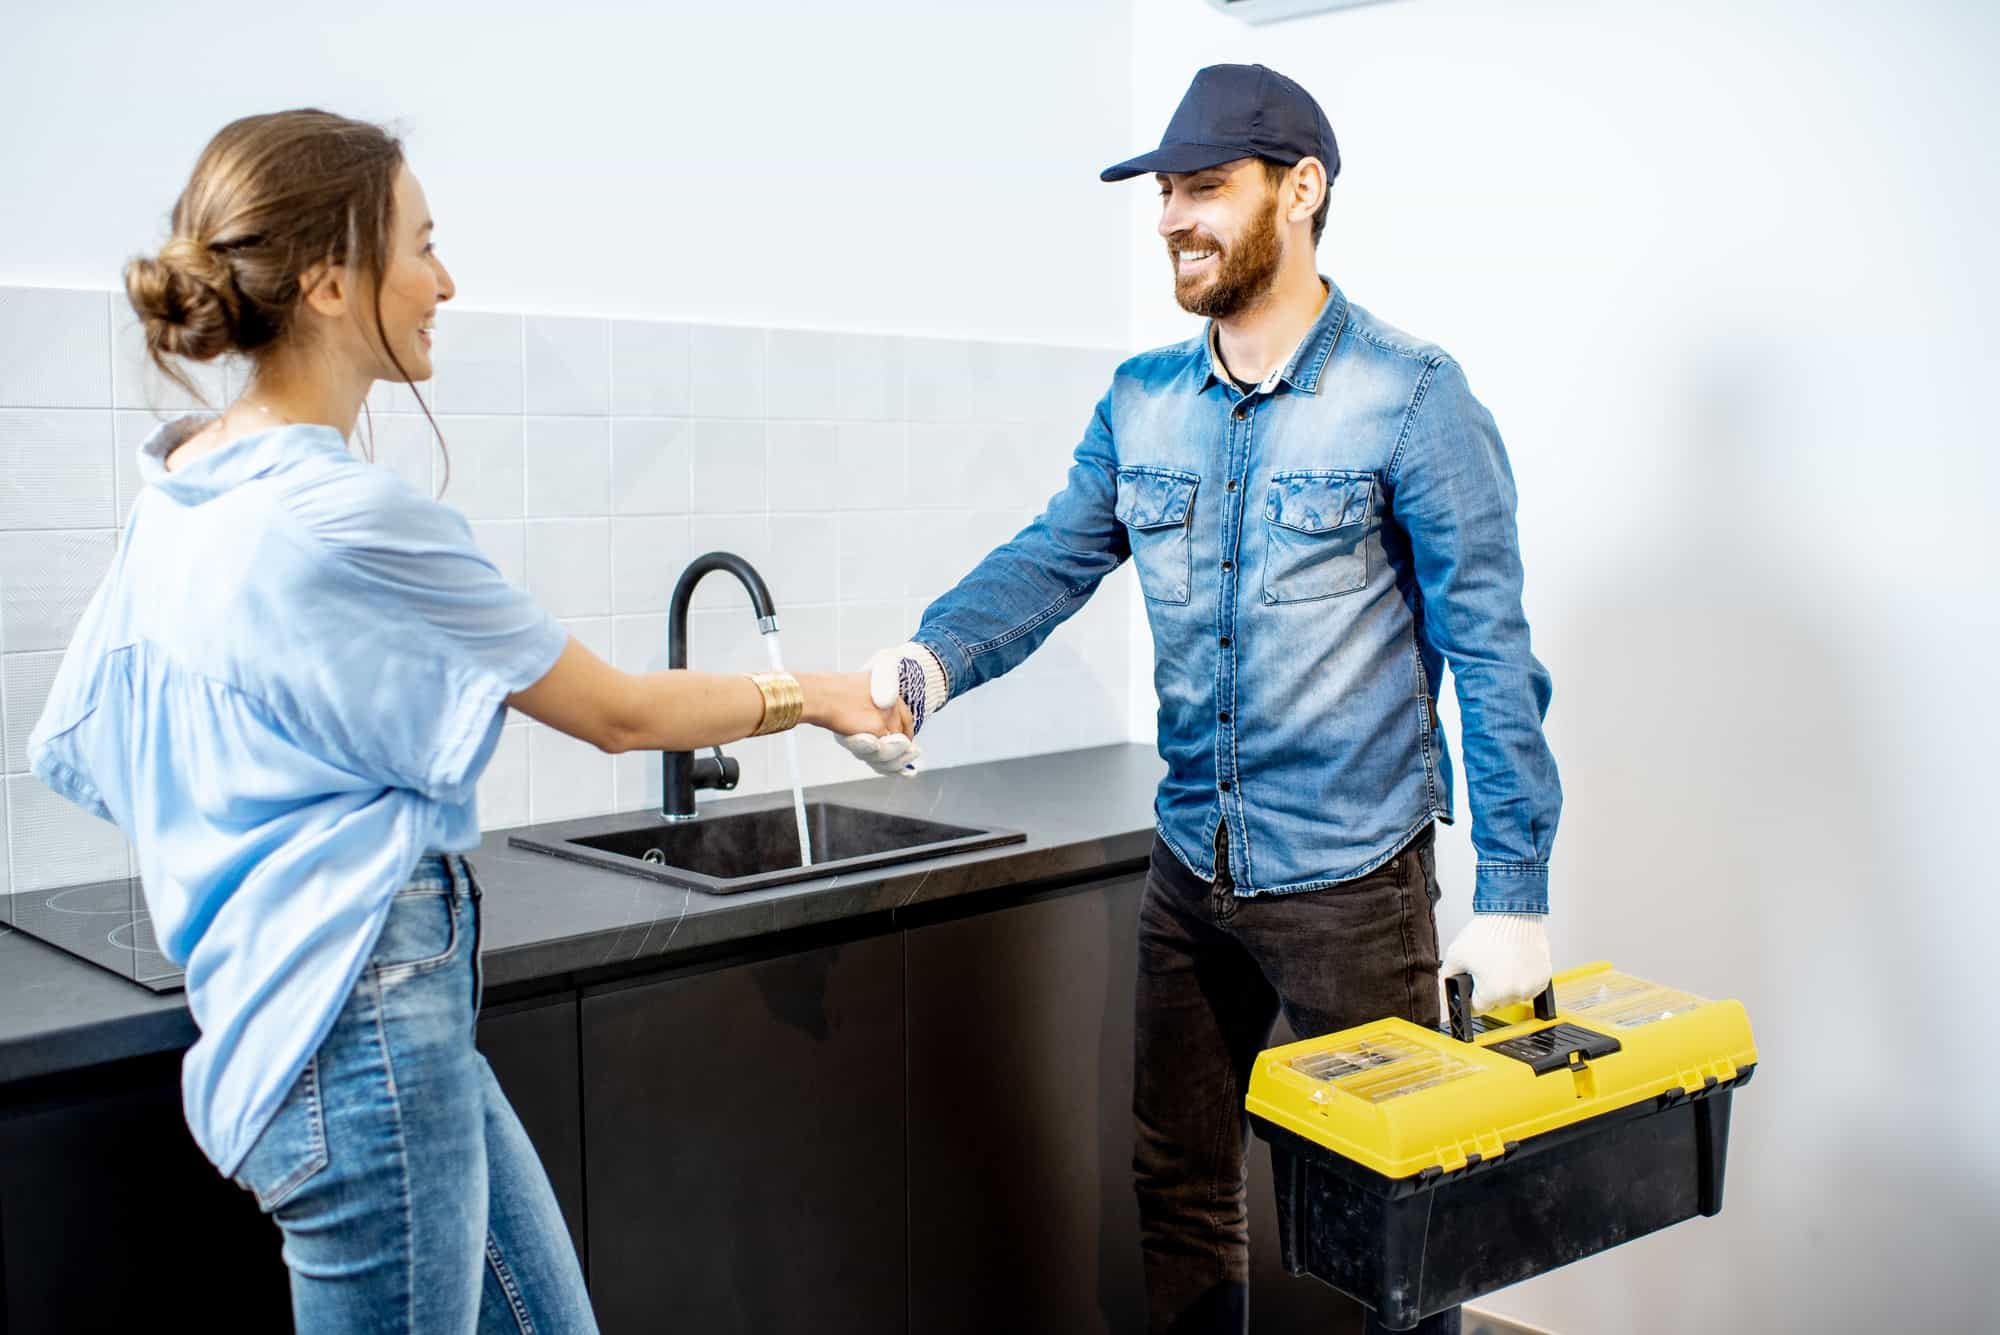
(1243, 270)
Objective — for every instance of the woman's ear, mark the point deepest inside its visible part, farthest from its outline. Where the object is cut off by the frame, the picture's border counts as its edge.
(325, 289)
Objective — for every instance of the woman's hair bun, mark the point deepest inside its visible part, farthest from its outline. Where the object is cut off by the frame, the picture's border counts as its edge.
(186, 295)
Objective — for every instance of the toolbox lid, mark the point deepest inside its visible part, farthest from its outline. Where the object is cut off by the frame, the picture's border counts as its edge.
(1402, 1100)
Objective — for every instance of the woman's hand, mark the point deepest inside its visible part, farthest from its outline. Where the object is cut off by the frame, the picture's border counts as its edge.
(841, 703)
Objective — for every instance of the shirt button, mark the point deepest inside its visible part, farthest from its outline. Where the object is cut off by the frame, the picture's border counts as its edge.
(1232, 485)
(1223, 716)
(1225, 785)
(1225, 641)
(1228, 566)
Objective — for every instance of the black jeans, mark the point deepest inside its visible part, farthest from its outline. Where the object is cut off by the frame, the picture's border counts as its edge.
(1214, 971)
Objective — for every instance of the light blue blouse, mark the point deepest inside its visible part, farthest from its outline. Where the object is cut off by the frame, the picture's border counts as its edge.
(283, 693)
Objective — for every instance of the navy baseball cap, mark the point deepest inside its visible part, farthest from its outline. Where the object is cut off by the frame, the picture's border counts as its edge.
(1237, 111)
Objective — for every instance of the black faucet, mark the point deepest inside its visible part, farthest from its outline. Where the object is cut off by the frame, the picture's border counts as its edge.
(680, 772)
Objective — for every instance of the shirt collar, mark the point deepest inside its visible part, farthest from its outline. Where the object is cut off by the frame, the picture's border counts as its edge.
(237, 462)
(1302, 369)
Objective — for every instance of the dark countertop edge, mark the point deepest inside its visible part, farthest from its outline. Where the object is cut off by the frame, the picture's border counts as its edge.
(561, 964)
(145, 1024)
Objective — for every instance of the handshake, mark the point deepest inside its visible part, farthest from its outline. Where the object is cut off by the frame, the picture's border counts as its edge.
(908, 675)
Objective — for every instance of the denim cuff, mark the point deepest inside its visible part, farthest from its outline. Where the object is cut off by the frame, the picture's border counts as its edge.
(1511, 887)
(953, 661)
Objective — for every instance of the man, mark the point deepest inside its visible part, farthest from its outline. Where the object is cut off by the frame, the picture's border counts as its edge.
(1322, 516)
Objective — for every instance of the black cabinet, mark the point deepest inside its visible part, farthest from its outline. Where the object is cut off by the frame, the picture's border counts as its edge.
(532, 1048)
(1022, 1216)
(922, 1130)
(110, 1218)
(745, 1131)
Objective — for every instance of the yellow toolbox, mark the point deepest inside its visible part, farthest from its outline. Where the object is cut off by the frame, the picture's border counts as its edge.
(1417, 1170)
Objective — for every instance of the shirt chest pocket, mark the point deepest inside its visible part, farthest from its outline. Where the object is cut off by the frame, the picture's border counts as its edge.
(1156, 505)
(1316, 530)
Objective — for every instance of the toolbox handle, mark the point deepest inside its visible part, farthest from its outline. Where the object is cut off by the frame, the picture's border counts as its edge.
(1458, 1004)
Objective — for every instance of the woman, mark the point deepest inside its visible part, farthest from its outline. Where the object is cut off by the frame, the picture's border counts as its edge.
(284, 694)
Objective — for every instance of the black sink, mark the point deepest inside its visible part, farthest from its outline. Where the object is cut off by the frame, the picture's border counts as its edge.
(729, 852)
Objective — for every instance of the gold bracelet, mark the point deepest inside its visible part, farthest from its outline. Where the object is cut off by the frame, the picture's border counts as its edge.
(784, 702)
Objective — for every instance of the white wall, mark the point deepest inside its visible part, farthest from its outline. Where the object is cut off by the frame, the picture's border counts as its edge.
(897, 165)
(1723, 271)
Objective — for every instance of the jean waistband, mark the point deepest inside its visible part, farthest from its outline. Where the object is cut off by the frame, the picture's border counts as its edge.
(443, 873)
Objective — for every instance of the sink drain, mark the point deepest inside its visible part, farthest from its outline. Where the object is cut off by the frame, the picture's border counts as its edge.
(654, 856)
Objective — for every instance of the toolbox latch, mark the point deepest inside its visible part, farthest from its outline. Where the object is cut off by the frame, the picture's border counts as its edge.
(1560, 1047)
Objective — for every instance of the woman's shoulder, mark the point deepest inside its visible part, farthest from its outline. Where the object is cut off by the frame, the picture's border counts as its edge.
(352, 504)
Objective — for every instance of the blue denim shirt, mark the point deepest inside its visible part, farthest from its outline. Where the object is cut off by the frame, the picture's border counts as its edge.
(1312, 554)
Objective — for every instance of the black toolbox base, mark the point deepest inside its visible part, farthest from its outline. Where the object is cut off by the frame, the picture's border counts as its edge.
(1409, 1248)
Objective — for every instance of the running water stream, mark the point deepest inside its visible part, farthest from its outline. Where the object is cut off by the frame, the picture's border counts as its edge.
(792, 755)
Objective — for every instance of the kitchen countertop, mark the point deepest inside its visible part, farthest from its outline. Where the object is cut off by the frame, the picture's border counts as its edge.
(549, 920)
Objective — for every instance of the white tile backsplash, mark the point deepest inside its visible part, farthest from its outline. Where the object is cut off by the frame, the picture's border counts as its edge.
(129, 430)
(868, 627)
(726, 370)
(568, 467)
(486, 459)
(54, 348)
(862, 474)
(407, 446)
(503, 788)
(396, 396)
(505, 543)
(873, 548)
(802, 371)
(937, 380)
(650, 467)
(139, 384)
(730, 471)
(593, 633)
(27, 678)
(569, 565)
(869, 378)
(649, 369)
(567, 365)
(46, 580)
(805, 559)
(803, 466)
(871, 462)
(648, 553)
(566, 777)
(939, 465)
(55, 842)
(478, 361)
(56, 469)
(639, 642)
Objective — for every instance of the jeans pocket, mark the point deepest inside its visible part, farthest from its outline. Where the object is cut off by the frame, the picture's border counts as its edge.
(1316, 530)
(1156, 505)
(292, 1149)
(421, 934)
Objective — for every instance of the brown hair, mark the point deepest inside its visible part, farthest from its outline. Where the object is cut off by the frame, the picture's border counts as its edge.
(1274, 174)
(271, 197)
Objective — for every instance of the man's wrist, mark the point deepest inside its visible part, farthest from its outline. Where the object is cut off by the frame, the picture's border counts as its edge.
(937, 686)
(1510, 887)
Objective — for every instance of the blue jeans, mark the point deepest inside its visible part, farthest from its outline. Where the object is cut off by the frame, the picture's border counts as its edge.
(409, 1196)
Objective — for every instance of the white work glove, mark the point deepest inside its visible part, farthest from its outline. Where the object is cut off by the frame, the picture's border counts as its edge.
(913, 674)
(1507, 955)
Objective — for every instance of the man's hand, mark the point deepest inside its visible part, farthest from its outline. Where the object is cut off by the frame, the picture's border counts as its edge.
(907, 677)
(1507, 955)
(844, 703)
